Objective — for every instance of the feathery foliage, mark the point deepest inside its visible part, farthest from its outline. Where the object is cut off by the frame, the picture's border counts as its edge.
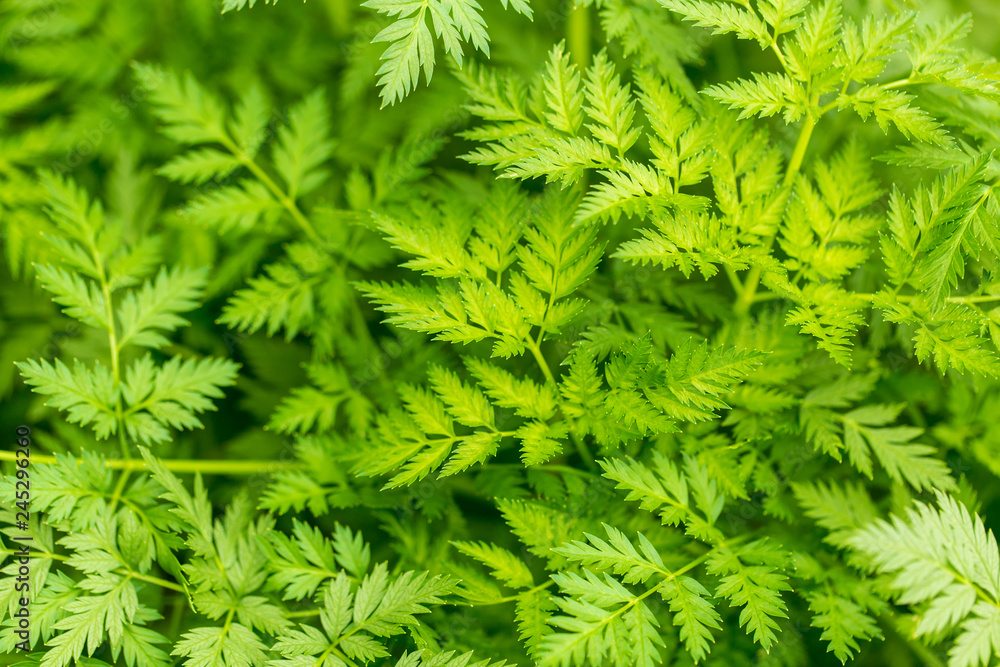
(648, 332)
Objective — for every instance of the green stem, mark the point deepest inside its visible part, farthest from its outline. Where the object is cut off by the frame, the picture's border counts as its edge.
(766, 296)
(157, 581)
(746, 299)
(113, 343)
(511, 598)
(582, 449)
(119, 487)
(968, 299)
(206, 467)
(581, 446)
(777, 52)
(303, 614)
(358, 319)
(39, 555)
(283, 198)
(904, 298)
(636, 600)
(805, 134)
(734, 279)
(901, 83)
(536, 352)
(343, 657)
(578, 34)
(148, 578)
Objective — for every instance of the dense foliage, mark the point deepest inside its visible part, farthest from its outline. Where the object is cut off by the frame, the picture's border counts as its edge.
(429, 333)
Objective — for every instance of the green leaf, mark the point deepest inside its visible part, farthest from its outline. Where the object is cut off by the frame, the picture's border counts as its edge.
(814, 46)
(234, 646)
(563, 94)
(200, 166)
(505, 566)
(304, 145)
(411, 46)
(191, 115)
(172, 395)
(91, 620)
(766, 95)
(87, 395)
(944, 557)
(617, 555)
(609, 106)
(697, 377)
(242, 207)
(843, 623)
(841, 509)
(750, 580)
(466, 405)
(695, 616)
(722, 18)
(156, 306)
(956, 201)
(896, 107)
(83, 300)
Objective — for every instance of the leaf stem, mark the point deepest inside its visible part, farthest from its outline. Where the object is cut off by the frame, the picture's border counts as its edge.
(581, 446)
(746, 299)
(578, 34)
(777, 51)
(536, 352)
(129, 573)
(905, 298)
(896, 84)
(206, 467)
(119, 487)
(287, 202)
(734, 279)
(113, 344)
(582, 449)
(639, 598)
(795, 163)
(157, 581)
(511, 598)
(967, 299)
(340, 654)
